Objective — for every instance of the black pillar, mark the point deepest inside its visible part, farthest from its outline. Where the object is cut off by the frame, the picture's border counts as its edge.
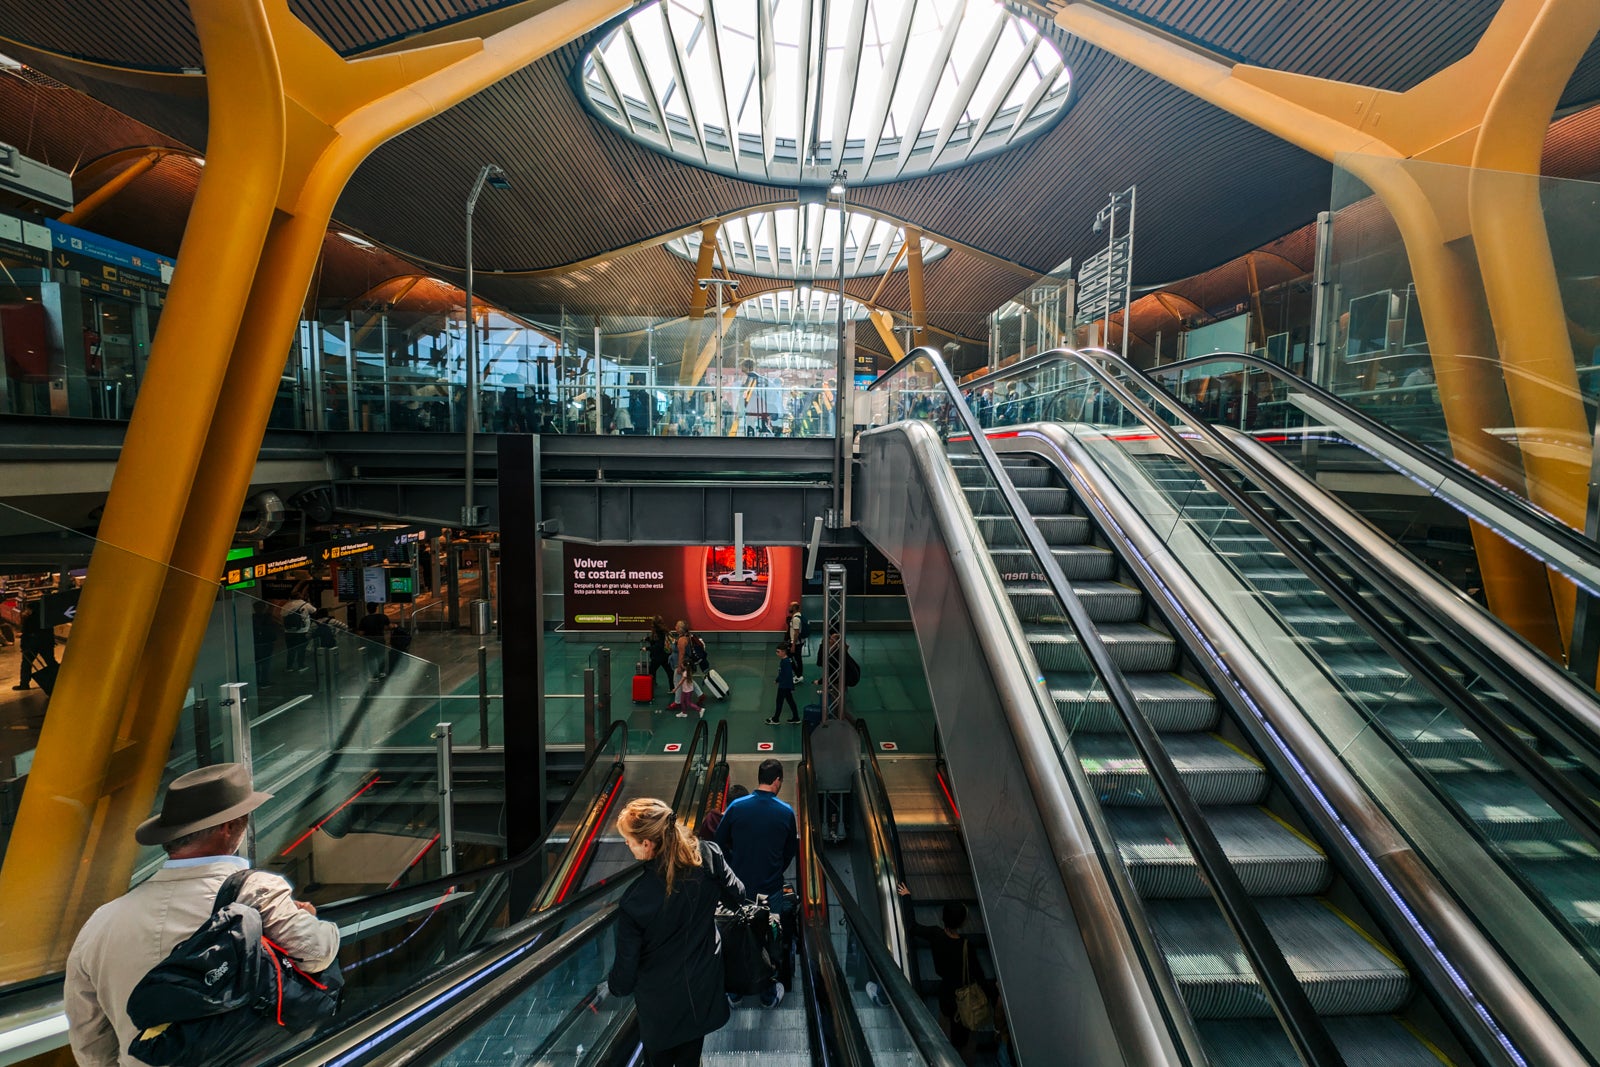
(521, 639)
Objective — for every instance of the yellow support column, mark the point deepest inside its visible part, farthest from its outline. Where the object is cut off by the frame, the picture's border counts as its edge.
(331, 114)
(919, 303)
(1374, 133)
(883, 322)
(124, 178)
(81, 772)
(1511, 236)
(689, 368)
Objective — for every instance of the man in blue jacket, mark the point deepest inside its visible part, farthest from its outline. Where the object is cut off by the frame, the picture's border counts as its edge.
(758, 836)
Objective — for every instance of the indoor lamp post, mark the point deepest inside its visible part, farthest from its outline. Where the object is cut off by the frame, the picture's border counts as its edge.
(837, 191)
(495, 178)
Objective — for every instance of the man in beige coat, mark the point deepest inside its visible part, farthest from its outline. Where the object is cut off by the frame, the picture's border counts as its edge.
(202, 823)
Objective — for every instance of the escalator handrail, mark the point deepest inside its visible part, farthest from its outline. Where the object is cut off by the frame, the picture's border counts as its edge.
(1304, 1028)
(480, 967)
(698, 738)
(1555, 789)
(1531, 685)
(716, 763)
(1463, 476)
(815, 873)
(881, 814)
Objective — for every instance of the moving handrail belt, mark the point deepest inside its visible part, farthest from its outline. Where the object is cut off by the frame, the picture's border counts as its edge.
(1304, 1028)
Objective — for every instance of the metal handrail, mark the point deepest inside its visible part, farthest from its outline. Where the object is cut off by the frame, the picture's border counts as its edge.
(1570, 540)
(1553, 788)
(885, 836)
(716, 768)
(698, 738)
(1555, 692)
(1304, 1028)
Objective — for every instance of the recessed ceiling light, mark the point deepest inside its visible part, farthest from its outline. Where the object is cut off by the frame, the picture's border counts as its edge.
(7, 63)
(198, 161)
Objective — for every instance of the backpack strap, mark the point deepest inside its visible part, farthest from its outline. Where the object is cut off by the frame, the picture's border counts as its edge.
(231, 887)
(966, 976)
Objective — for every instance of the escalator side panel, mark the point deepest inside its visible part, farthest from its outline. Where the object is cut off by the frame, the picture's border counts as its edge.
(1055, 1001)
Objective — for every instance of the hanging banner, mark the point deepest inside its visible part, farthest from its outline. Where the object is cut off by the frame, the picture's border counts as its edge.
(623, 587)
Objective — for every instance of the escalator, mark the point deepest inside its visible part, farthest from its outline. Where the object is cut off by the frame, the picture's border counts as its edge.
(390, 940)
(531, 996)
(1322, 831)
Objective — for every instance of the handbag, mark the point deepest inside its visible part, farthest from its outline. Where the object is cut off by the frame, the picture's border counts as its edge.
(972, 1003)
(749, 949)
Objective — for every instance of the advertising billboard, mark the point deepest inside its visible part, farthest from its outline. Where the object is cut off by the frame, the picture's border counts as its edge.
(712, 587)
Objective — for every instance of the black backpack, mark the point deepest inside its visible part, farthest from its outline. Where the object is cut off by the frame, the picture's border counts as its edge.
(697, 654)
(749, 948)
(226, 992)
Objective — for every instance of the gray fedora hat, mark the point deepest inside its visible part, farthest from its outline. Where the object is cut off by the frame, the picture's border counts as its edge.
(207, 797)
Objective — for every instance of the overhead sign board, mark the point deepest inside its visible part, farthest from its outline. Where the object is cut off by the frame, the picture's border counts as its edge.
(1103, 280)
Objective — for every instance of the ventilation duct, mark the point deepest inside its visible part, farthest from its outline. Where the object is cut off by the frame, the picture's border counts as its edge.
(264, 513)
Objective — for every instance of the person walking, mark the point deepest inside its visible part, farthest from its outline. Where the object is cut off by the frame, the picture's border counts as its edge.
(296, 615)
(202, 823)
(668, 951)
(759, 837)
(685, 693)
(38, 640)
(797, 630)
(788, 675)
(264, 633)
(656, 649)
(954, 960)
(374, 629)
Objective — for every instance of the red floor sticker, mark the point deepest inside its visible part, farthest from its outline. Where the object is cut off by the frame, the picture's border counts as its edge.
(888, 746)
(763, 746)
(675, 746)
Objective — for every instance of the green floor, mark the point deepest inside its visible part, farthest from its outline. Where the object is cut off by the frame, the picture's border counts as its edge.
(892, 696)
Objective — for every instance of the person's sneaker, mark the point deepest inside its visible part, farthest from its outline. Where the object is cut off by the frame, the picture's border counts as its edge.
(770, 722)
(876, 995)
(682, 715)
(734, 999)
(674, 706)
(773, 997)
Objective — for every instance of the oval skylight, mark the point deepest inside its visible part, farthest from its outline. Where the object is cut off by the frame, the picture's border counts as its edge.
(802, 243)
(799, 307)
(787, 91)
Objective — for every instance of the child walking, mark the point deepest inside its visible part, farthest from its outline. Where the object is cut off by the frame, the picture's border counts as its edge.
(686, 693)
(787, 677)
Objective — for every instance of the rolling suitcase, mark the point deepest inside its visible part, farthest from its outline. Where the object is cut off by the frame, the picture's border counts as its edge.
(644, 688)
(716, 685)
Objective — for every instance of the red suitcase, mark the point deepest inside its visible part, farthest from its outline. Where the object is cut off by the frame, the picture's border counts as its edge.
(644, 688)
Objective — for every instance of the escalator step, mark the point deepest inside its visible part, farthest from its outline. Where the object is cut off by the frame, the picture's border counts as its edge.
(1029, 477)
(1271, 859)
(1075, 561)
(1428, 733)
(1503, 807)
(1134, 647)
(1364, 1042)
(1105, 601)
(1214, 771)
(1000, 532)
(1173, 704)
(988, 501)
(1344, 971)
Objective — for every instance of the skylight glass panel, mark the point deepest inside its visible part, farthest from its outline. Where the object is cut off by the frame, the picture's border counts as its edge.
(787, 91)
(802, 244)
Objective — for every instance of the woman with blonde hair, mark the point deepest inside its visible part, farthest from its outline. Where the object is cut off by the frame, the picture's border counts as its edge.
(669, 955)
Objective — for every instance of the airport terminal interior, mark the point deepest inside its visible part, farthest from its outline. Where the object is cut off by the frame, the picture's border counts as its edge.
(1173, 423)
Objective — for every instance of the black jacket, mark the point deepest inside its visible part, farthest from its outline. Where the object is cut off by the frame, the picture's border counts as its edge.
(669, 955)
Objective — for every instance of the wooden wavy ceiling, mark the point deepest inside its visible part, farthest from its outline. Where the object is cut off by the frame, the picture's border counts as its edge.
(1210, 187)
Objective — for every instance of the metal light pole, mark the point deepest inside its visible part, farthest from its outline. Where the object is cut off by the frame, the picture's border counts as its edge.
(838, 190)
(493, 176)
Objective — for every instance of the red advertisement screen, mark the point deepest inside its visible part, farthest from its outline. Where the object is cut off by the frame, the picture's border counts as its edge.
(622, 587)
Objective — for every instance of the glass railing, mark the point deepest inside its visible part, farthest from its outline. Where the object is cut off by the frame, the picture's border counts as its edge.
(784, 403)
(1522, 796)
(1336, 440)
(1082, 691)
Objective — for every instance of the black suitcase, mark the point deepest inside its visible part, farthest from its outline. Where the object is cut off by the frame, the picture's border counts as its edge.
(44, 673)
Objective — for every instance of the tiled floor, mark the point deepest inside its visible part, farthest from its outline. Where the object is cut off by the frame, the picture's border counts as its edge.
(892, 695)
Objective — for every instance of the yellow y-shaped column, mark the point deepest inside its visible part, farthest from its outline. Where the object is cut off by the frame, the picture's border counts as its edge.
(694, 362)
(72, 847)
(82, 768)
(1373, 134)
